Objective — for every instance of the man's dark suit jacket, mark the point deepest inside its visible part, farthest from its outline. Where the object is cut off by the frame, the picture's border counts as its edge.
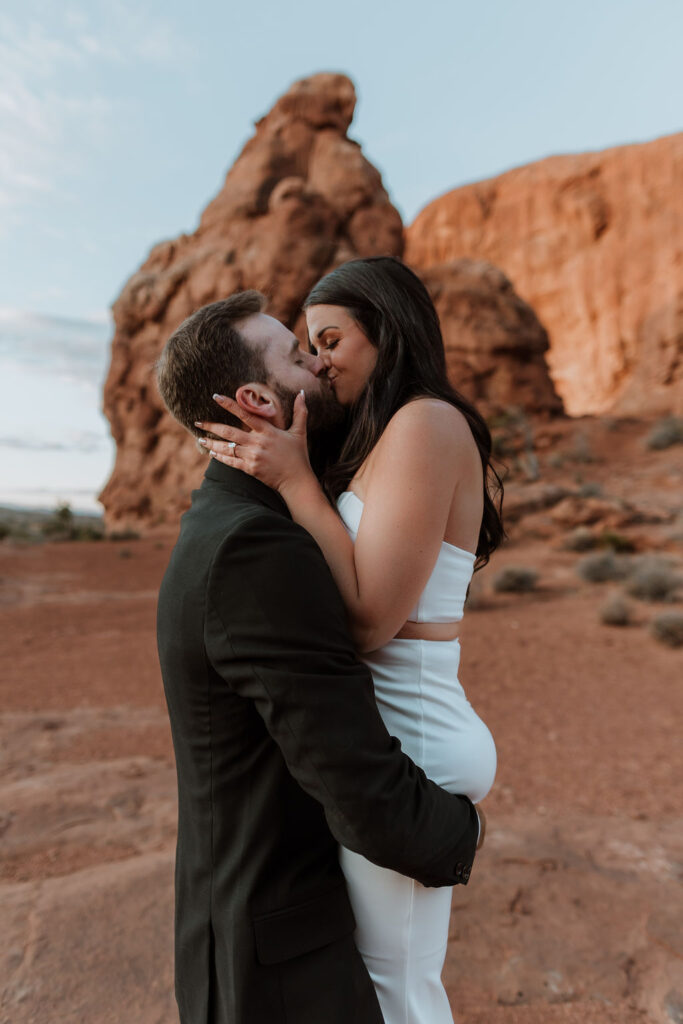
(281, 754)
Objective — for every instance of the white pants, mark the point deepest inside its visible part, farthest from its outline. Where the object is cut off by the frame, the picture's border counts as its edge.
(402, 928)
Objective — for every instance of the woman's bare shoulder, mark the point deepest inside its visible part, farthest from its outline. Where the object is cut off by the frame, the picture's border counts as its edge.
(430, 419)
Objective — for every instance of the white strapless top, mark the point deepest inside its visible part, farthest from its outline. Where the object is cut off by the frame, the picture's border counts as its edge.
(443, 597)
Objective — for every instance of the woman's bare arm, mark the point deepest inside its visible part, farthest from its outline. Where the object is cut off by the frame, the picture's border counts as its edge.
(407, 502)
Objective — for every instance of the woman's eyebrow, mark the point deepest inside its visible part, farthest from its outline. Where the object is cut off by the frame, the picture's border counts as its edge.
(329, 327)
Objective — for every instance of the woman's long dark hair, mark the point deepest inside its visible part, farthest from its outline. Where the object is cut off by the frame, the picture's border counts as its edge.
(394, 310)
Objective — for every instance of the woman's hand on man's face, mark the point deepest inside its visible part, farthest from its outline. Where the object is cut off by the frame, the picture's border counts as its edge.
(278, 458)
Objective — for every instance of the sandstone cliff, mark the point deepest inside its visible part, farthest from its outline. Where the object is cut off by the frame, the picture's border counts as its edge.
(594, 243)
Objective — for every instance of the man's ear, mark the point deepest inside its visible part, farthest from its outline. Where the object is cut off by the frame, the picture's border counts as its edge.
(257, 399)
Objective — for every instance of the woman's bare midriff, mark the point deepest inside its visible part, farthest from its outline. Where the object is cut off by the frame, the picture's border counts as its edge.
(428, 631)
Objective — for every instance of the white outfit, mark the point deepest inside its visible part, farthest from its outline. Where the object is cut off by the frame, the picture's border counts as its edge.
(402, 928)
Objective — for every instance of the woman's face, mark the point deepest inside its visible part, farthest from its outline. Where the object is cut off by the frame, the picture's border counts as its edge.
(348, 355)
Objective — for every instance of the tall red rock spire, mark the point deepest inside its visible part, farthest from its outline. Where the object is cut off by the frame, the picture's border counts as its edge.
(300, 199)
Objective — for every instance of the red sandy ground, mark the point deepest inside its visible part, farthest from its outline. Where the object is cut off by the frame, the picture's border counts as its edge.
(573, 911)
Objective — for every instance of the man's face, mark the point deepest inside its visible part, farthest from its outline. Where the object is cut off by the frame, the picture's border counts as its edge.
(290, 369)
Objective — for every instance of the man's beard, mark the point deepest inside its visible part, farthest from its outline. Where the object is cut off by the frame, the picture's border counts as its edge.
(326, 426)
(324, 411)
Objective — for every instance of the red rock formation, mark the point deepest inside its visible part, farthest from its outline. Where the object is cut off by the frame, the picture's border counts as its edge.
(594, 243)
(300, 198)
(495, 344)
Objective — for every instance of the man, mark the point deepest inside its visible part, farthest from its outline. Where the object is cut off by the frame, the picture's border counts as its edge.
(280, 751)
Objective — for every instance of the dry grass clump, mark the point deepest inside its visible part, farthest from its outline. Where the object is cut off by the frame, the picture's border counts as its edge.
(616, 541)
(580, 539)
(601, 567)
(616, 611)
(126, 534)
(654, 580)
(515, 579)
(590, 489)
(667, 627)
(581, 450)
(63, 525)
(667, 431)
(512, 438)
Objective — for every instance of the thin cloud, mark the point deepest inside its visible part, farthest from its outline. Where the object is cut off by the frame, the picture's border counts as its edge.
(46, 126)
(86, 441)
(75, 350)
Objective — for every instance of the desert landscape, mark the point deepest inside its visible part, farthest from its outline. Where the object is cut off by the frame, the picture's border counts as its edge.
(573, 634)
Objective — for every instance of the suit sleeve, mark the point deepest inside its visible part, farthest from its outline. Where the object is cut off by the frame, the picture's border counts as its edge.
(276, 633)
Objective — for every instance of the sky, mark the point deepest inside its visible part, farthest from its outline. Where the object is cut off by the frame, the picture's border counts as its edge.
(119, 120)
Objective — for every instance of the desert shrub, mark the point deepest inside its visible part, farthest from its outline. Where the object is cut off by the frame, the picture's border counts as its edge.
(18, 531)
(665, 432)
(527, 464)
(87, 533)
(616, 541)
(63, 525)
(581, 451)
(616, 611)
(667, 627)
(515, 579)
(127, 534)
(556, 460)
(512, 437)
(60, 522)
(600, 567)
(580, 539)
(125, 553)
(653, 580)
(499, 446)
(591, 489)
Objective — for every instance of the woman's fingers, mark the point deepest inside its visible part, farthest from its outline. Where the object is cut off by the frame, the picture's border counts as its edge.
(300, 415)
(219, 447)
(223, 430)
(227, 459)
(230, 405)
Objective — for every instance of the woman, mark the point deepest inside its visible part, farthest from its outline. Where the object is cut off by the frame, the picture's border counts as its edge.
(413, 519)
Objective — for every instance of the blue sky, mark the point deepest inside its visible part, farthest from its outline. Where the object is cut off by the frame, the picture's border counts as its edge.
(118, 121)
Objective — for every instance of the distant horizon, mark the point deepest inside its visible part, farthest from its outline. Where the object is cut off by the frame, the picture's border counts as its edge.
(8, 506)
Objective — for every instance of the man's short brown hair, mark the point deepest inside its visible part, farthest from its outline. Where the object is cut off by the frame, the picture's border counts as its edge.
(207, 355)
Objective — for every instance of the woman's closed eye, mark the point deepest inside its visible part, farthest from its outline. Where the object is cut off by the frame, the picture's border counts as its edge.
(327, 346)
